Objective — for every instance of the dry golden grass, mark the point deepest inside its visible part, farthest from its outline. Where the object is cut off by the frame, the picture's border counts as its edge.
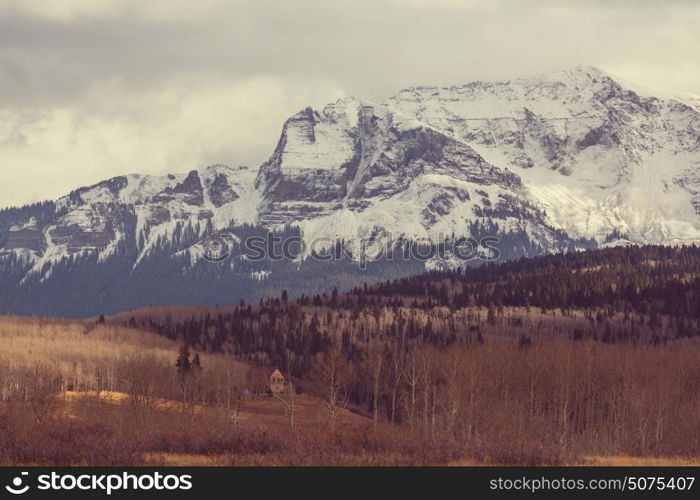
(626, 461)
(64, 341)
(309, 411)
(602, 461)
(265, 411)
(80, 349)
(121, 398)
(184, 460)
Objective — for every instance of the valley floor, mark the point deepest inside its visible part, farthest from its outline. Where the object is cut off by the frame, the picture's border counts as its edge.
(85, 430)
(79, 393)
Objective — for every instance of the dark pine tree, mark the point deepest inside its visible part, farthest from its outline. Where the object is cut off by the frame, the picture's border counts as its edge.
(183, 363)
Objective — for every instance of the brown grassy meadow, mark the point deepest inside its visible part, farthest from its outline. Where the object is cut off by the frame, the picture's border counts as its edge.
(81, 393)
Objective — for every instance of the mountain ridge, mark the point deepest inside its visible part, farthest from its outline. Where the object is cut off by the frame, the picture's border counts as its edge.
(567, 160)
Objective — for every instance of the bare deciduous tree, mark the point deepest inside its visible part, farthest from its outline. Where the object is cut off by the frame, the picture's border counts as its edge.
(330, 379)
(374, 363)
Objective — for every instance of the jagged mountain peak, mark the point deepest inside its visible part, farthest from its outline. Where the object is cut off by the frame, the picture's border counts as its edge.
(340, 171)
(581, 74)
(577, 73)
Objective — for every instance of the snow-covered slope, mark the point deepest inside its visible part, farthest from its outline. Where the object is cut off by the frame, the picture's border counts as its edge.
(140, 209)
(595, 155)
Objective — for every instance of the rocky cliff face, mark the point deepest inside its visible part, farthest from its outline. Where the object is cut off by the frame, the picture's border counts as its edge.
(571, 158)
(356, 168)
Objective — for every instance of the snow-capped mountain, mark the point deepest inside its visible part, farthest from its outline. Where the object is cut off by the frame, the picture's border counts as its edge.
(567, 159)
(596, 156)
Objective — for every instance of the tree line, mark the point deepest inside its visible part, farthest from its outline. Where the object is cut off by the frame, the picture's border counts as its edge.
(443, 353)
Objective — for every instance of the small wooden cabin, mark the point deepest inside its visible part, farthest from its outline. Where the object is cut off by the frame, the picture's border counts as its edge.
(262, 379)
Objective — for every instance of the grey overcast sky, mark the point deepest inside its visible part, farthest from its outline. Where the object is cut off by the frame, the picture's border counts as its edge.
(90, 89)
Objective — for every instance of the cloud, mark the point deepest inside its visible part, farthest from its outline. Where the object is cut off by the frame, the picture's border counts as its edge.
(95, 88)
(45, 154)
